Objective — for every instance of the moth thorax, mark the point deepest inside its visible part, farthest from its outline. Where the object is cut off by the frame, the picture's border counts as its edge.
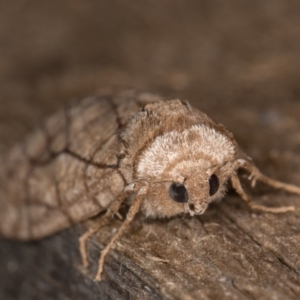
(197, 145)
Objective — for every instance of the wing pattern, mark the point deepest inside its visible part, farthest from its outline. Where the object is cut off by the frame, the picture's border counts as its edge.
(67, 170)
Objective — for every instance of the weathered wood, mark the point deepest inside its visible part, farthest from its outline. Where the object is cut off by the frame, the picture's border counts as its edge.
(228, 253)
(50, 269)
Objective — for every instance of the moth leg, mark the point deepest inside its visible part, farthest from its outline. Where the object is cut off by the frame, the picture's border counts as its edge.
(103, 221)
(134, 208)
(86, 235)
(255, 175)
(238, 188)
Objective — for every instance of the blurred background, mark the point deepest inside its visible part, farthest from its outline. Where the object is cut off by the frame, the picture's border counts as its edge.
(236, 60)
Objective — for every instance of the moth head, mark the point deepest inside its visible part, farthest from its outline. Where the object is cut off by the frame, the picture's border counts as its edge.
(186, 170)
(190, 190)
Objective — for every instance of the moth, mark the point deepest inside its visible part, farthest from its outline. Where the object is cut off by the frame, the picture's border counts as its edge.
(163, 157)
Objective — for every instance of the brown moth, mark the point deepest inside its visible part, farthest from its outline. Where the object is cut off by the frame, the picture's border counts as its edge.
(164, 157)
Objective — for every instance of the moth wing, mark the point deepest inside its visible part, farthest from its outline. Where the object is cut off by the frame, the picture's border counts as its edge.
(67, 170)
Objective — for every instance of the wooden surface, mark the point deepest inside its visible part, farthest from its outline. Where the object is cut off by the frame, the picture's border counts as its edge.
(236, 62)
(229, 253)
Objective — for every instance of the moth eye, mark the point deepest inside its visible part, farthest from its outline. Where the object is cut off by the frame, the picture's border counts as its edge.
(178, 192)
(213, 184)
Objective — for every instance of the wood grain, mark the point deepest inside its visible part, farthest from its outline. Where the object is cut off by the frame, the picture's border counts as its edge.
(228, 253)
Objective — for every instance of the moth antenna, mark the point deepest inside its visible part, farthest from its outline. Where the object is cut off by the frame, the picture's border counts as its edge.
(134, 208)
(238, 188)
(113, 209)
(255, 175)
